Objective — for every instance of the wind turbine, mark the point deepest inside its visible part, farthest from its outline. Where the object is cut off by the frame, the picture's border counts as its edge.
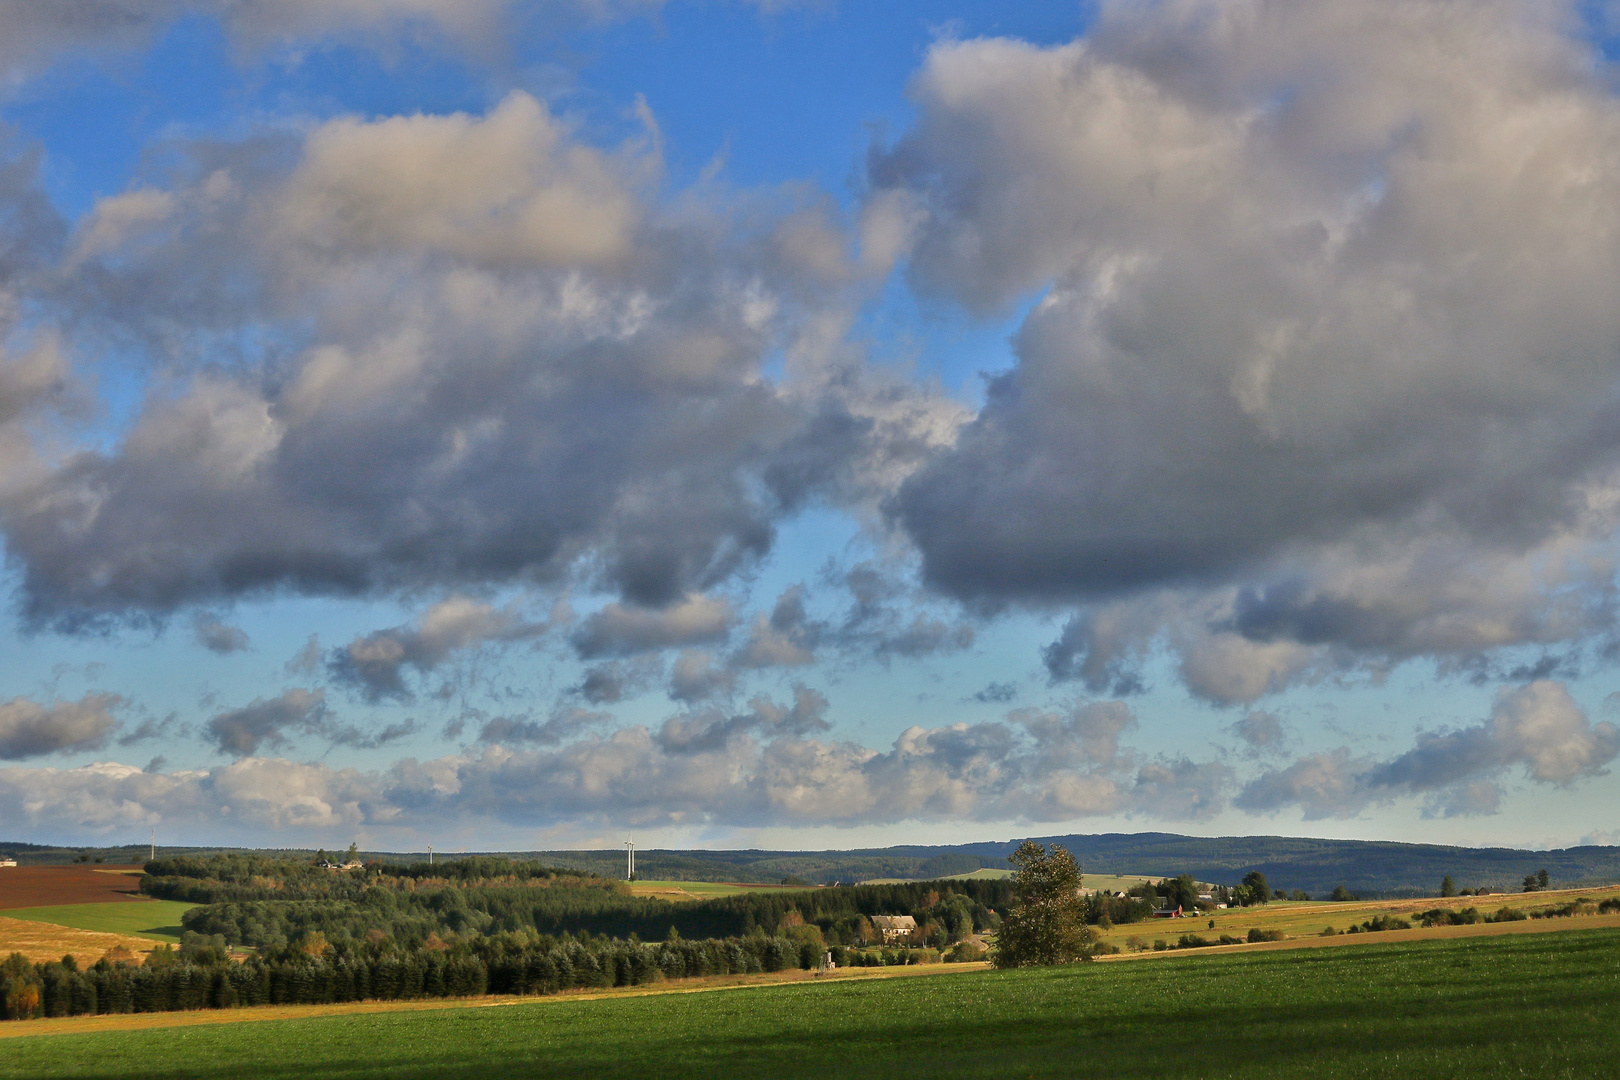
(630, 860)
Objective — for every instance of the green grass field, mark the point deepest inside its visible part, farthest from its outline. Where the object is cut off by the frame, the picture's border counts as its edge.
(1536, 1005)
(156, 919)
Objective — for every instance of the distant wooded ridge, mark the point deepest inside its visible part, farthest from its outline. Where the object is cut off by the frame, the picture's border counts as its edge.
(1370, 868)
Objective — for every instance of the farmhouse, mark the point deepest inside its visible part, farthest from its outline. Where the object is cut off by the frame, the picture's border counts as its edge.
(895, 928)
(8, 862)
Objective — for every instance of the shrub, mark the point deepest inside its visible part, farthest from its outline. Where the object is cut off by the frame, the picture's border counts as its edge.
(1257, 934)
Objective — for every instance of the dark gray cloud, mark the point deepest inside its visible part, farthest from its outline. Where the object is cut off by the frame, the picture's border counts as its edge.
(1324, 350)
(29, 729)
(1537, 727)
(695, 676)
(362, 739)
(169, 727)
(376, 664)
(562, 725)
(613, 682)
(267, 722)
(216, 636)
(711, 729)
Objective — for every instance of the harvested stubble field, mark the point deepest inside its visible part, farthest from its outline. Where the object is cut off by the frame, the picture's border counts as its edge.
(48, 886)
(702, 890)
(40, 941)
(1525, 1005)
(1307, 919)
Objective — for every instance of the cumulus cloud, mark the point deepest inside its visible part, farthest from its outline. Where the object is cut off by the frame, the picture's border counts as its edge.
(29, 729)
(613, 682)
(785, 638)
(696, 676)
(1538, 727)
(266, 722)
(771, 766)
(1323, 349)
(712, 729)
(376, 663)
(523, 372)
(624, 630)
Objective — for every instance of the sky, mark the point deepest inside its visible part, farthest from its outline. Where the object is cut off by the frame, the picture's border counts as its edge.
(757, 423)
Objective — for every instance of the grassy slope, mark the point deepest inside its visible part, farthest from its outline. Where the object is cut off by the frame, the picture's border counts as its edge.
(155, 919)
(1536, 1005)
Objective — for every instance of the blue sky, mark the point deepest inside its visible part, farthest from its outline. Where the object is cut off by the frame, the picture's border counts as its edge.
(518, 425)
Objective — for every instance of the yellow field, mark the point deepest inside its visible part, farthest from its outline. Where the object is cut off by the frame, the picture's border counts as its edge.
(44, 941)
(1307, 918)
(703, 890)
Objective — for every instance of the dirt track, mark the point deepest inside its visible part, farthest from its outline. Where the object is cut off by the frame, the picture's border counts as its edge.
(48, 886)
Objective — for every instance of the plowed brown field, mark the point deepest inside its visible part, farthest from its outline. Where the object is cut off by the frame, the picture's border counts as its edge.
(48, 886)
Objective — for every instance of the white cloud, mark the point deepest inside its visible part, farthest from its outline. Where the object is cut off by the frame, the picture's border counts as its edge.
(760, 767)
(1538, 727)
(1324, 337)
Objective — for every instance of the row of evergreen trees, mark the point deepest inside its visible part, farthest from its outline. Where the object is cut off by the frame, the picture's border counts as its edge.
(204, 979)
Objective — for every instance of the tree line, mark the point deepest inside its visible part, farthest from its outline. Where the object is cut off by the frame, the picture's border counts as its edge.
(267, 905)
(314, 971)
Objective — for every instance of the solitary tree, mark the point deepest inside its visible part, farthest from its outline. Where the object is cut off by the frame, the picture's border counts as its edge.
(1045, 923)
(1541, 878)
(1530, 883)
(1447, 886)
(1342, 894)
(354, 853)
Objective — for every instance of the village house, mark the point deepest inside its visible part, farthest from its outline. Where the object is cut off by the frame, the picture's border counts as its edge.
(8, 862)
(895, 929)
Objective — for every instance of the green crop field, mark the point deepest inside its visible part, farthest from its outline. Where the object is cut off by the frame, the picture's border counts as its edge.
(156, 919)
(1538, 1005)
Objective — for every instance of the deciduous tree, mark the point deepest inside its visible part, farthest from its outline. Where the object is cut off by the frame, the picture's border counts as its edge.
(1045, 923)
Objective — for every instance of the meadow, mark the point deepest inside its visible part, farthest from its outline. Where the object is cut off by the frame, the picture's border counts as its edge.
(1526, 1005)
